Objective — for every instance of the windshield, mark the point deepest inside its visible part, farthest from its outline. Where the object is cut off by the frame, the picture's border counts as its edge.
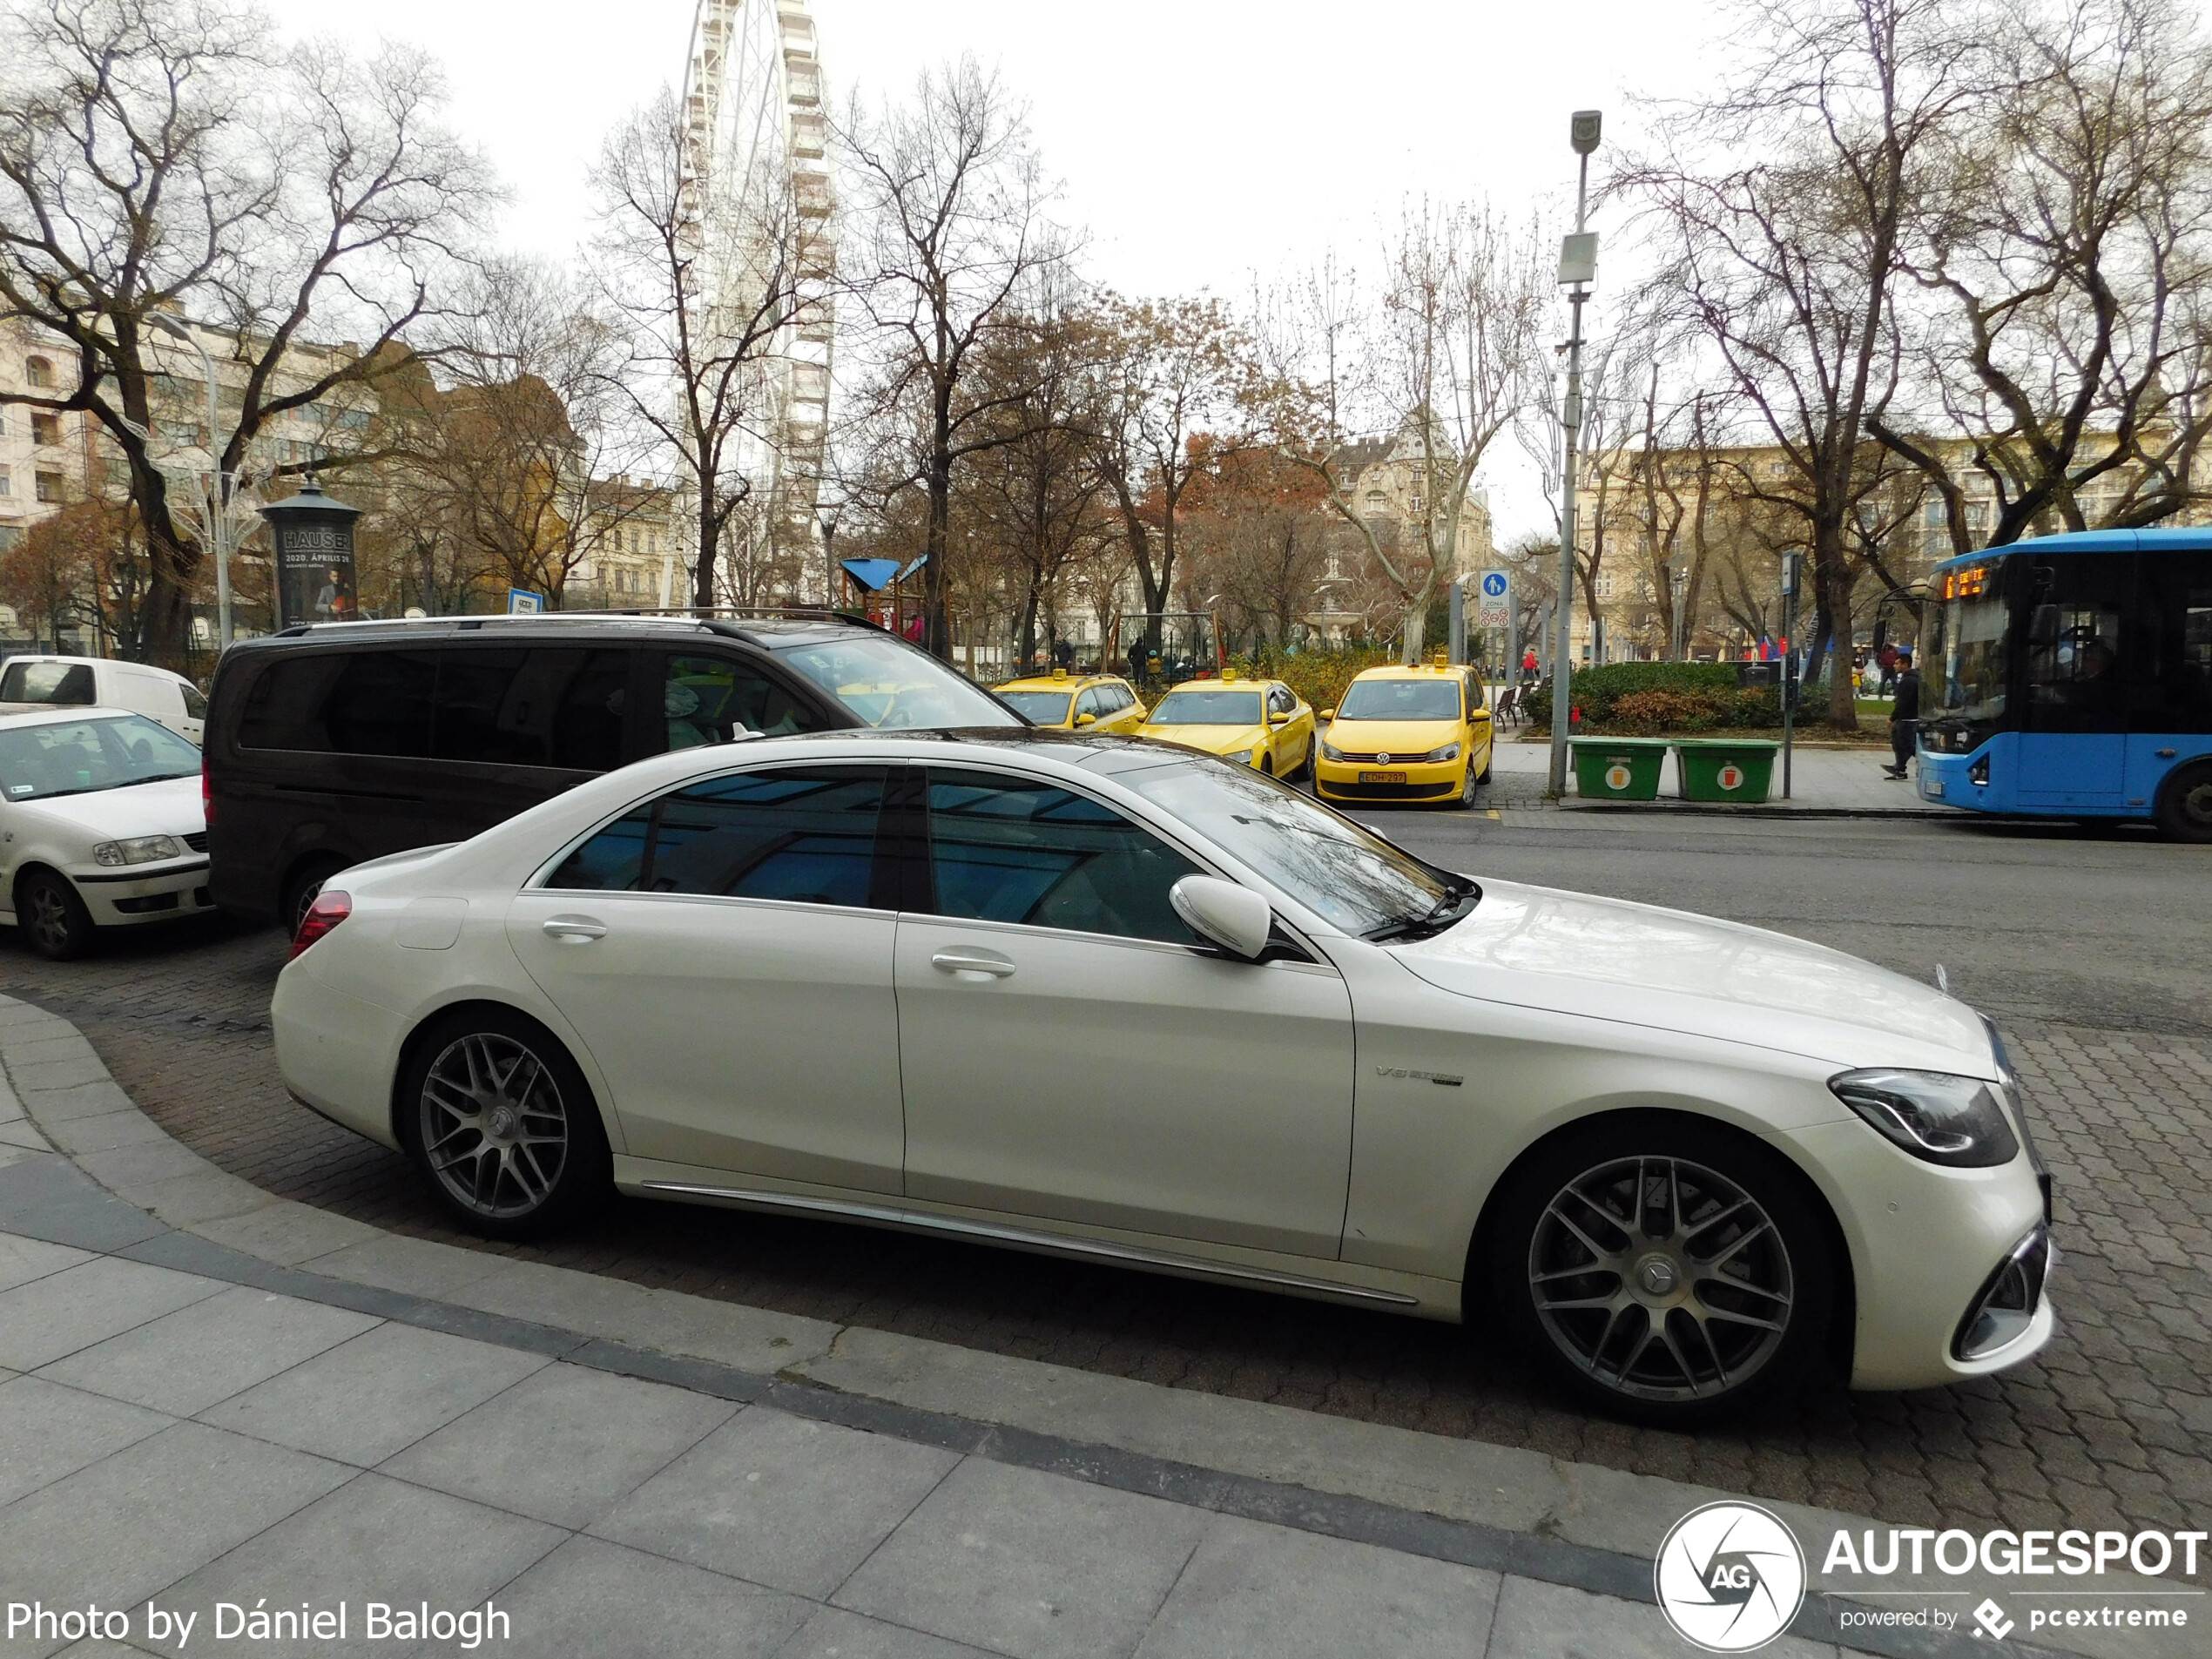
(76, 757)
(1400, 700)
(1964, 677)
(1046, 708)
(1358, 881)
(893, 685)
(1207, 708)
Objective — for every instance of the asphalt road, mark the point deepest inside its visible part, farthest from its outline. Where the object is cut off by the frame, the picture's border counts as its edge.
(2034, 924)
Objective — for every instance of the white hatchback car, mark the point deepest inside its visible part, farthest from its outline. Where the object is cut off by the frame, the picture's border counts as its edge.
(101, 826)
(1112, 999)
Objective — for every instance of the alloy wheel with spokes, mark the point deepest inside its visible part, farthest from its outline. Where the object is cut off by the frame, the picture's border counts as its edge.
(53, 917)
(1661, 1279)
(494, 1129)
(1664, 1268)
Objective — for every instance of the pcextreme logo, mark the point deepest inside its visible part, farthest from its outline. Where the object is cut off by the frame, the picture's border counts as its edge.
(1729, 1577)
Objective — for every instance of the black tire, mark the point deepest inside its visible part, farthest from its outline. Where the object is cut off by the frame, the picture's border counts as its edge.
(1488, 755)
(1731, 1305)
(52, 917)
(300, 890)
(532, 1157)
(2185, 803)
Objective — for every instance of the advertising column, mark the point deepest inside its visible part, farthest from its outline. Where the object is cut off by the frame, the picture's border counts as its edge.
(314, 557)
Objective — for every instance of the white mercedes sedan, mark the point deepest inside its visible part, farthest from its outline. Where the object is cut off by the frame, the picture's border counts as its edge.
(1110, 999)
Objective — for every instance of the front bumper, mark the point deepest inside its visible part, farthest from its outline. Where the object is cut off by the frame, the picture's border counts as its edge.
(1923, 1241)
(147, 893)
(1339, 781)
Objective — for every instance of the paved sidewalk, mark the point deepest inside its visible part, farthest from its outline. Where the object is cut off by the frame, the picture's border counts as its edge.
(1823, 782)
(235, 1400)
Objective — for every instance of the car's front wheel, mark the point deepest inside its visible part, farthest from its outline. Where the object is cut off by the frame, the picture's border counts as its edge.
(1663, 1269)
(52, 917)
(499, 1119)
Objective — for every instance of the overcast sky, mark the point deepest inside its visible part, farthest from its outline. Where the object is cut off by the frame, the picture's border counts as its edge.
(1199, 142)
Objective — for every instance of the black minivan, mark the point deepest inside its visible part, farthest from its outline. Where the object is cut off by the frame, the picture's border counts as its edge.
(337, 742)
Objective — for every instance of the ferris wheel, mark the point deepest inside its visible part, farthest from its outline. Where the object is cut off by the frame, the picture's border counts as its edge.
(756, 193)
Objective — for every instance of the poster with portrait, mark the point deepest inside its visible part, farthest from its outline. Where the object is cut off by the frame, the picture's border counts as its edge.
(315, 574)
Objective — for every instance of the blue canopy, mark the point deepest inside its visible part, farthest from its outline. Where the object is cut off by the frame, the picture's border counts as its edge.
(875, 575)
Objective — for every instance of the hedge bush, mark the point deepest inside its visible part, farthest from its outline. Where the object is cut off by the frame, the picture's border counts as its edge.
(1647, 699)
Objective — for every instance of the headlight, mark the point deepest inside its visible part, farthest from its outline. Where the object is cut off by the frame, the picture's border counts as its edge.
(1242, 757)
(145, 850)
(1933, 1114)
(1330, 752)
(1449, 752)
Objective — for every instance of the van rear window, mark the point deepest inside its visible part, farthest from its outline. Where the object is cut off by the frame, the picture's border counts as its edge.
(67, 684)
(497, 705)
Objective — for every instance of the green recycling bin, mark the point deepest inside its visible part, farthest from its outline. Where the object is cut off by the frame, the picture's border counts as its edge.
(1725, 768)
(1618, 768)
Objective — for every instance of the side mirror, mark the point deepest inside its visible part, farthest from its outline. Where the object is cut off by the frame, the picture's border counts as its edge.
(1235, 918)
(1278, 716)
(1328, 714)
(1086, 719)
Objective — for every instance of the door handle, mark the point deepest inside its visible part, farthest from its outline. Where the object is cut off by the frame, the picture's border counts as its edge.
(961, 963)
(573, 930)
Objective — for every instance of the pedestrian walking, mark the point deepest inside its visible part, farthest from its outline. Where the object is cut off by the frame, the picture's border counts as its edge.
(1886, 658)
(1905, 714)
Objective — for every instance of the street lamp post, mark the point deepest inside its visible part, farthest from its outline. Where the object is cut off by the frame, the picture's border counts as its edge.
(214, 486)
(1577, 272)
(826, 513)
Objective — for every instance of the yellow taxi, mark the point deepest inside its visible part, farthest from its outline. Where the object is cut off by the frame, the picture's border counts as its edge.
(1409, 734)
(1260, 724)
(1076, 701)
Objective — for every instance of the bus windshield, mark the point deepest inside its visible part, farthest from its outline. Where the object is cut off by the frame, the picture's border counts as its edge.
(1964, 671)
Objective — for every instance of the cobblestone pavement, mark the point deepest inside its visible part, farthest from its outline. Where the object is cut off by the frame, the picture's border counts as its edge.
(2111, 1427)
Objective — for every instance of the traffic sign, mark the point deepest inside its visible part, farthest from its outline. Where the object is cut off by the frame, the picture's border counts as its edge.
(1495, 607)
(520, 602)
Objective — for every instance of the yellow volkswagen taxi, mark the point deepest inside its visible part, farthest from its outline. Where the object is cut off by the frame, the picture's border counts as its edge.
(1260, 724)
(1409, 734)
(1069, 702)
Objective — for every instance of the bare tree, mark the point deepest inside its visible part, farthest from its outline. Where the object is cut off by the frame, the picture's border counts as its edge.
(2064, 246)
(1172, 373)
(159, 156)
(1451, 355)
(1782, 207)
(948, 207)
(699, 294)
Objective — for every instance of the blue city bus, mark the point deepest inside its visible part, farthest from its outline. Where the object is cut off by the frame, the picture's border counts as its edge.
(2072, 676)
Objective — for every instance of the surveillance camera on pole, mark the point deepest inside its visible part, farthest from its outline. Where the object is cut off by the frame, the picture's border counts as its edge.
(1578, 274)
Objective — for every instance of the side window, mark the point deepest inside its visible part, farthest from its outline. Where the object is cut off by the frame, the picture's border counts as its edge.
(2074, 666)
(195, 705)
(1088, 703)
(355, 702)
(1004, 848)
(2176, 619)
(542, 707)
(805, 834)
(708, 700)
(1118, 697)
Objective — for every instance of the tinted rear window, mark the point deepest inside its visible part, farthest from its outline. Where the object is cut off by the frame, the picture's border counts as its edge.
(66, 684)
(495, 705)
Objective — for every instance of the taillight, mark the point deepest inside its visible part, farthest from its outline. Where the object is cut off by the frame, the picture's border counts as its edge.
(207, 796)
(329, 909)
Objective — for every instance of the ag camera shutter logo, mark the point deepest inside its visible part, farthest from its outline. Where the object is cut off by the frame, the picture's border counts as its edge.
(1729, 1577)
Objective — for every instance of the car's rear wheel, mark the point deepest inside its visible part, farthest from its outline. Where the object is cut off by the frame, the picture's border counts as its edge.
(1663, 1270)
(300, 888)
(498, 1118)
(52, 917)
(2185, 803)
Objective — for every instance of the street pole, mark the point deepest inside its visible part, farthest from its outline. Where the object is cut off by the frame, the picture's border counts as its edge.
(1577, 268)
(1456, 652)
(215, 490)
(1789, 660)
